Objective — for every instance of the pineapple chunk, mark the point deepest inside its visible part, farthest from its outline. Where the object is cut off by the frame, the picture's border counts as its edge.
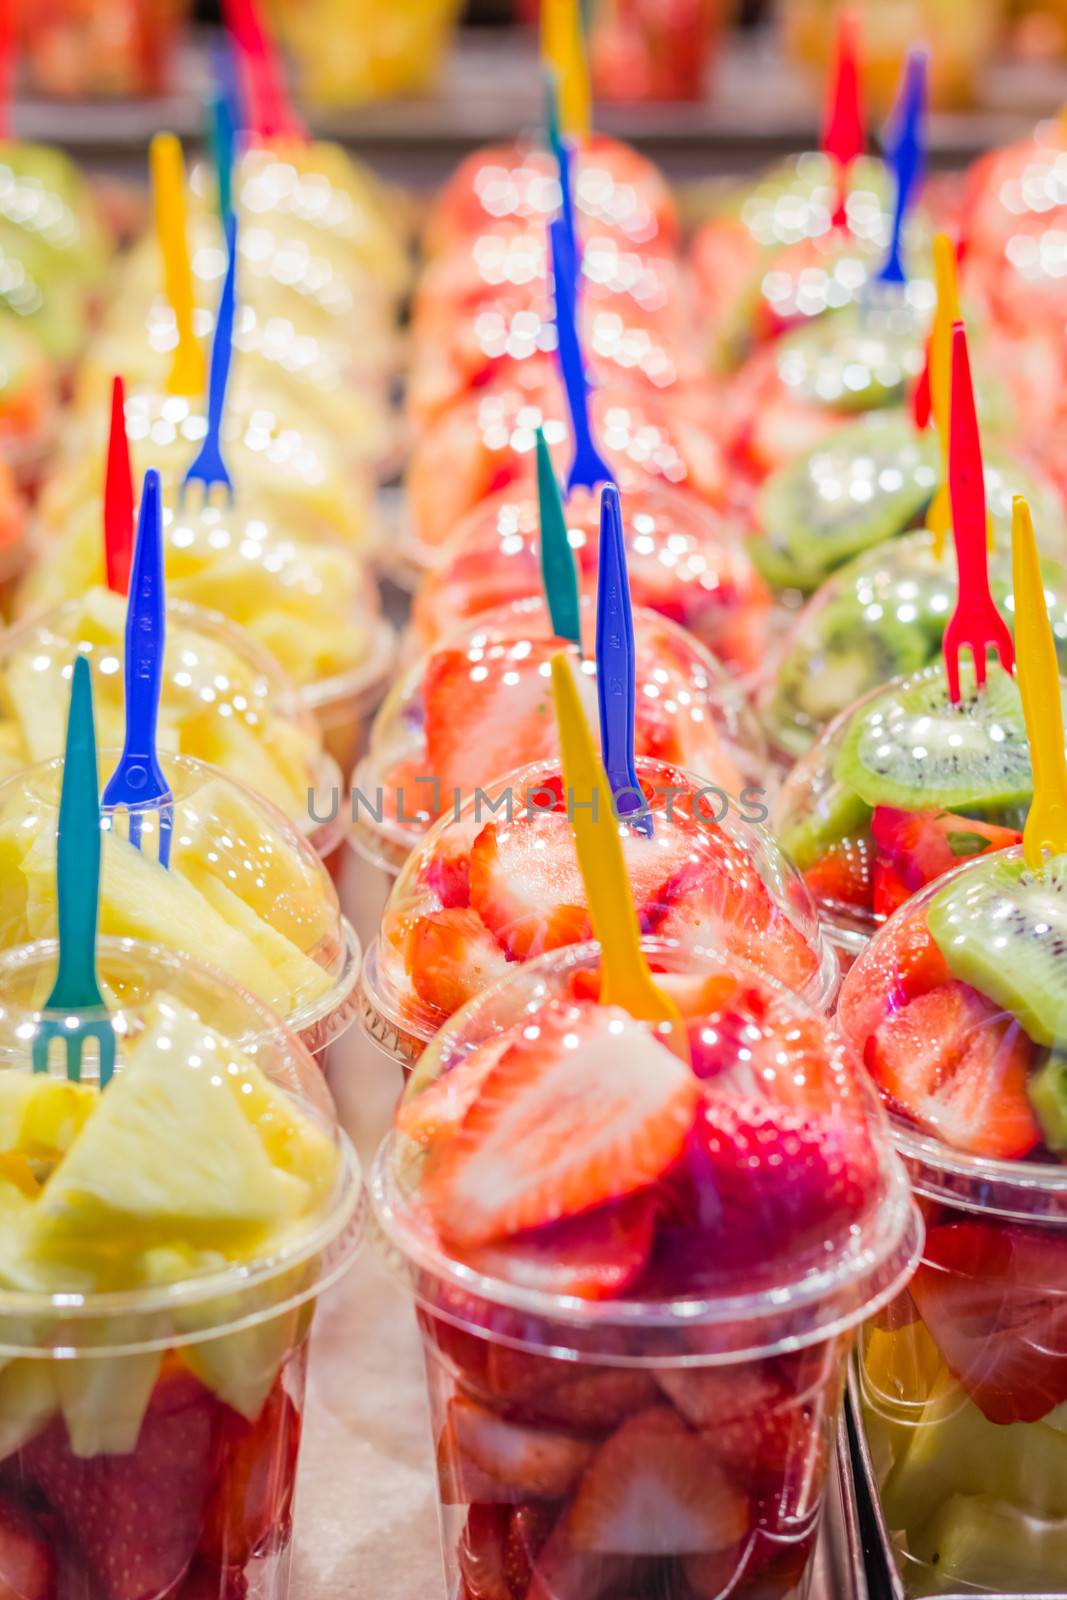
(40, 1116)
(28, 1401)
(249, 753)
(104, 1398)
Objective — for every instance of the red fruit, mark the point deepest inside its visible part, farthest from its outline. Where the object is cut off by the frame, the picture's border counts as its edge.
(904, 961)
(437, 1110)
(27, 1562)
(995, 1301)
(565, 1572)
(915, 847)
(841, 878)
(206, 1582)
(250, 1509)
(481, 1553)
(452, 956)
(590, 1110)
(595, 1256)
(574, 1395)
(710, 1397)
(526, 885)
(528, 1529)
(957, 1066)
(135, 1519)
(446, 872)
(656, 1489)
(535, 1463)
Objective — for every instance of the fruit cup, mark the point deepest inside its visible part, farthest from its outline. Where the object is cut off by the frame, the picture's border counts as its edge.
(167, 1239)
(880, 616)
(900, 788)
(683, 560)
(957, 1006)
(489, 888)
(634, 1347)
(244, 887)
(224, 700)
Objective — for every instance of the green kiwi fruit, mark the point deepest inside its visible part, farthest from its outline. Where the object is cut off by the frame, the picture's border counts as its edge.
(911, 747)
(1047, 1089)
(850, 362)
(868, 482)
(810, 816)
(1002, 928)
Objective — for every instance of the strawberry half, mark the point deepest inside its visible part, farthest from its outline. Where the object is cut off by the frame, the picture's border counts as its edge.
(842, 876)
(437, 1109)
(573, 1395)
(250, 1509)
(912, 848)
(451, 957)
(27, 1561)
(590, 1110)
(994, 1299)
(537, 1463)
(526, 885)
(904, 961)
(656, 1489)
(595, 1256)
(957, 1067)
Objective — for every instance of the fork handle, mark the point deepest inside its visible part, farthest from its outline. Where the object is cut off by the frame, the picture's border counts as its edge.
(587, 467)
(145, 643)
(222, 344)
(78, 855)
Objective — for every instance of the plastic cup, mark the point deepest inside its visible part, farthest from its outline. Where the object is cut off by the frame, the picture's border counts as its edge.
(688, 711)
(962, 1379)
(713, 871)
(223, 700)
(245, 888)
(155, 1429)
(620, 1445)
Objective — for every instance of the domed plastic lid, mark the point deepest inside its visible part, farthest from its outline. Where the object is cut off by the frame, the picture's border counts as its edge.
(499, 883)
(223, 699)
(683, 560)
(310, 605)
(480, 705)
(901, 787)
(959, 1009)
(115, 1240)
(725, 1206)
(850, 361)
(880, 616)
(488, 441)
(243, 887)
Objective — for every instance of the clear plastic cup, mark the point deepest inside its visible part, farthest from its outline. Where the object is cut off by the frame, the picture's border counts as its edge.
(879, 616)
(480, 705)
(901, 787)
(245, 889)
(683, 560)
(152, 1388)
(499, 883)
(640, 1394)
(957, 1007)
(223, 700)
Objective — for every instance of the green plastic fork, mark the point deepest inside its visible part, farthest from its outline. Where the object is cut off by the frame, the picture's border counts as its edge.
(75, 1011)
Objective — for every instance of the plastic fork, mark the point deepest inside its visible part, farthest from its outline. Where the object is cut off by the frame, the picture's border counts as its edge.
(563, 50)
(558, 576)
(118, 496)
(907, 159)
(186, 376)
(561, 151)
(223, 135)
(208, 467)
(75, 1012)
(273, 116)
(843, 138)
(939, 379)
(616, 666)
(588, 469)
(625, 977)
(1039, 687)
(137, 785)
(976, 622)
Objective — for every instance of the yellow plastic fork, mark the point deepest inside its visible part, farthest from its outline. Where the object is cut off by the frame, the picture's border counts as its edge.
(1037, 671)
(939, 517)
(625, 977)
(188, 370)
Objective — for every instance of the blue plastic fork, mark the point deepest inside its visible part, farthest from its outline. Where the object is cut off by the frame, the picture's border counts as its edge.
(562, 151)
(74, 1012)
(588, 469)
(616, 666)
(137, 785)
(209, 468)
(907, 159)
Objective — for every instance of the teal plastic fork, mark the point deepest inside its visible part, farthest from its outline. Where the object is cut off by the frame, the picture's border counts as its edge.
(75, 1012)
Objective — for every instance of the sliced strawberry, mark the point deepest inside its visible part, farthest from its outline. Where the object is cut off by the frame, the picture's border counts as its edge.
(249, 1512)
(915, 847)
(206, 1582)
(995, 1300)
(904, 961)
(437, 1109)
(526, 885)
(446, 870)
(452, 956)
(574, 1395)
(590, 1110)
(842, 876)
(27, 1561)
(480, 1553)
(527, 1533)
(656, 1489)
(565, 1572)
(696, 994)
(958, 1067)
(539, 1463)
(111, 1507)
(710, 1397)
(595, 1256)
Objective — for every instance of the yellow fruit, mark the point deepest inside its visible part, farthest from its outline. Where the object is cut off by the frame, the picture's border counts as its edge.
(898, 1371)
(28, 1400)
(977, 1541)
(40, 1116)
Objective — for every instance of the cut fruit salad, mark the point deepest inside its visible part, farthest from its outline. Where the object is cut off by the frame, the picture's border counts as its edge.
(223, 700)
(902, 787)
(480, 705)
(561, 1182)
(486, 891)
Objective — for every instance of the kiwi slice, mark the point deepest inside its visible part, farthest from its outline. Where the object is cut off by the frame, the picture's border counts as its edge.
(817, 817)
(911, 747)
(852, 362)
(867, 483)
(1002, 928)
(1048, 1096)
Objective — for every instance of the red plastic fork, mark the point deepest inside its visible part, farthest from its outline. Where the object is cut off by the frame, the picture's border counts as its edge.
(976, 622)
(272, 111)
(843, 138)
(118, 497)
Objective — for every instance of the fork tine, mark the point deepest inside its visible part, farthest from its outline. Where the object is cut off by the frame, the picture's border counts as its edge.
(980, 652)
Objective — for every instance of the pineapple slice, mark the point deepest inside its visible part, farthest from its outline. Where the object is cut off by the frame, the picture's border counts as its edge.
(252, 754)
(41, 1116)
(28, 1401)
(104, 1398)
(297, 976)
(13, 753)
